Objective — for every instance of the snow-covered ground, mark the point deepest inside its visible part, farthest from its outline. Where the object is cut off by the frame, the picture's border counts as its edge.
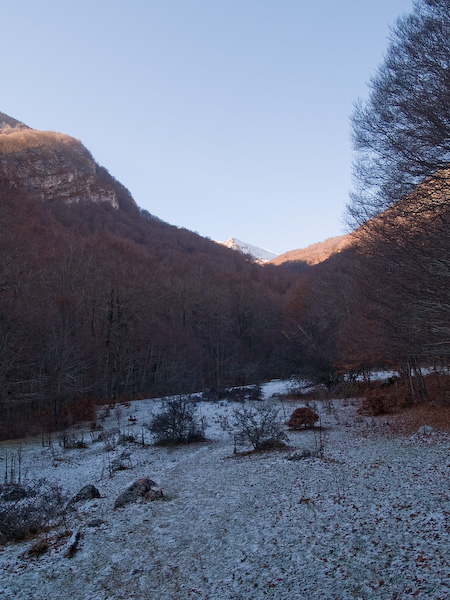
(369, 519)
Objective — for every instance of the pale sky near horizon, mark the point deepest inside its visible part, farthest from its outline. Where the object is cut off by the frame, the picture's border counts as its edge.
(227, 117)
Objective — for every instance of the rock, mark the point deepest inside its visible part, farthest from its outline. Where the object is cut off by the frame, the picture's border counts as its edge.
(299, 454)
(142, 488)
(122, 462)
(88, 492)
(55, 167)
(72, 545)
(426, 430)
(95, 522)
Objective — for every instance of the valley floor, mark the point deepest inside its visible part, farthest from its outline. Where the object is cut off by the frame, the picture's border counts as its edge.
(369, 519)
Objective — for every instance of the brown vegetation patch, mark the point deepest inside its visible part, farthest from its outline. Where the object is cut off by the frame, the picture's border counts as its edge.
(427, 413)
(384, 400)
(15, 140)
(407, 412)
(302, 418)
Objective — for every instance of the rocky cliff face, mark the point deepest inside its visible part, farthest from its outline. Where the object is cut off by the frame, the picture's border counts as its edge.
(53, 166)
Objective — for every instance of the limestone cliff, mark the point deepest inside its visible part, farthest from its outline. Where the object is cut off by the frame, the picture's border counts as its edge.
(54, 167)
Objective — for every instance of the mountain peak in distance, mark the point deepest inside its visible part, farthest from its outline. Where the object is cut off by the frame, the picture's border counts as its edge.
(258, 254)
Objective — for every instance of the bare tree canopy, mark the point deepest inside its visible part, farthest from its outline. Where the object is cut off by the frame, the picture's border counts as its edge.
(401, 134)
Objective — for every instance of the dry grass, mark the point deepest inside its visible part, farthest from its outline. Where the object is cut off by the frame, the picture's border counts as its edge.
(408, 420)
(15, 140)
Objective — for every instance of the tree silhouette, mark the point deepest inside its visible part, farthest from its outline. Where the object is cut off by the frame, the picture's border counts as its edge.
(402, 133)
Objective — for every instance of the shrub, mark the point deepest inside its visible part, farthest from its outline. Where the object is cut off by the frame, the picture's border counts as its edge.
(258, 425)
(236, 394)
(177, 423)
(214, 395)
(302, 418)
(38, 549)
(241, 394)
(388, 397)
(29, 510)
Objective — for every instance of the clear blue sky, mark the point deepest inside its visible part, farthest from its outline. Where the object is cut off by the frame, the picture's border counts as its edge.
(227, 117)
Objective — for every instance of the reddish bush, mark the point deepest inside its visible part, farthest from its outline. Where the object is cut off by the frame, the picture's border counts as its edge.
(388, 397)
(302, 418)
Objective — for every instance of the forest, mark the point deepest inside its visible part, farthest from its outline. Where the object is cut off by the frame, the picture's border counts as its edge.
(102, 304)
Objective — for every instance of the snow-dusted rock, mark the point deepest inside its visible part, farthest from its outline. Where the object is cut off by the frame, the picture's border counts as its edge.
(88, 492)
(121, 462)
(426, 430)
(72, 545)
(95, 522)
(142, 488)
(299, 454)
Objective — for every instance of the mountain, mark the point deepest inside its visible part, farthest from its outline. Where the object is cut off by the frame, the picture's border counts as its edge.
(54, 166)
(315, 253)
(7, 122)
(259, 254)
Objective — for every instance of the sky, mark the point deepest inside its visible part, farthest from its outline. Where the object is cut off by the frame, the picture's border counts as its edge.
(230, 118)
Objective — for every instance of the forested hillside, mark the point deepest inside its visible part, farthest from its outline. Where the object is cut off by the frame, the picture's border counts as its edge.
(314, 254)
(101, 301)
(385, 300)
(381, 302)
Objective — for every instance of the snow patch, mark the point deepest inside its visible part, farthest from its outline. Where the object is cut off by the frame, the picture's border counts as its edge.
(368, 519)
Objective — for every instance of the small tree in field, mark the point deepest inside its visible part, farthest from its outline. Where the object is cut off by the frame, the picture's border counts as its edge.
(258, 425)
(177, 423)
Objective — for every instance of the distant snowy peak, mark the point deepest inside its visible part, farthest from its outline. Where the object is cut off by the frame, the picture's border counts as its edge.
(259, 254)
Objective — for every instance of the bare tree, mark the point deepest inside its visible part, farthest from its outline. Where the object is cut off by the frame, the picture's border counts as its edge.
(402, 133)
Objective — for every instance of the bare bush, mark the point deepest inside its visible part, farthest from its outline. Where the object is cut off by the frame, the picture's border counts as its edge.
(109, 438)
(26, 510)
(235, 394)
(72, 439)
(258, 425)
(177, 423)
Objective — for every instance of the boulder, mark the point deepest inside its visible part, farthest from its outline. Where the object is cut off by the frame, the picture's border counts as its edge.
(95, 522)
(142, 488)
(122, 462)
(299, 454)
(88, 492)
(426, 430)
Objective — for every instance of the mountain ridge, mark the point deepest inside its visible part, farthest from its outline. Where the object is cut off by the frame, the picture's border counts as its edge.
(314, 253)
(8, 122)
